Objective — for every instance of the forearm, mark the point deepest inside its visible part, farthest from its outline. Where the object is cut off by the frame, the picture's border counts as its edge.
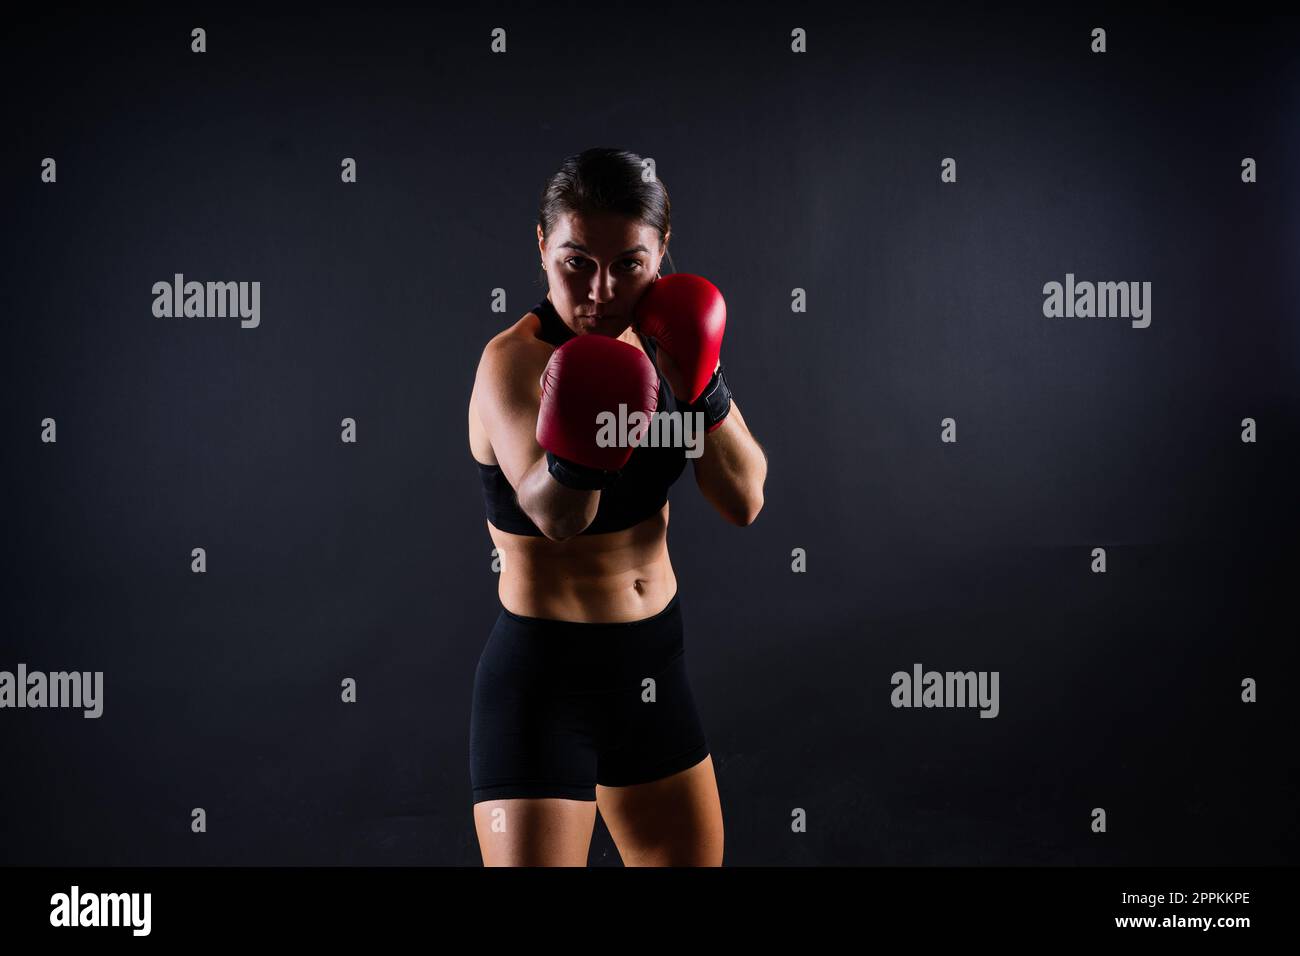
(558, 511)
(732, 470)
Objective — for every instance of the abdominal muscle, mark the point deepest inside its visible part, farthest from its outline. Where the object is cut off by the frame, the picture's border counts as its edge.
(601, 578)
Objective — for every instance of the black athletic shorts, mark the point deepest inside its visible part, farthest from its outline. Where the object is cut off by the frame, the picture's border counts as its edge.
(561, 706)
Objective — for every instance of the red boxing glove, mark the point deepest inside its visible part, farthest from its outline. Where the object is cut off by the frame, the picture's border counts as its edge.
(686, 316)
(585, 376)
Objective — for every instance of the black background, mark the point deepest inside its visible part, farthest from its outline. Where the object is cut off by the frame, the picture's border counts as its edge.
(817, 171)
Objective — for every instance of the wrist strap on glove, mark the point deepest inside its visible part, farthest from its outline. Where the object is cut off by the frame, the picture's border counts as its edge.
(581, 477)
(715, 402)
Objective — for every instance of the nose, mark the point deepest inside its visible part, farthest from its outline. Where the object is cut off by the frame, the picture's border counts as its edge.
(602, 288)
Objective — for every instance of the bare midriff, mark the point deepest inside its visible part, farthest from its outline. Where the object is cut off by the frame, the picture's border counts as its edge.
(615, 577)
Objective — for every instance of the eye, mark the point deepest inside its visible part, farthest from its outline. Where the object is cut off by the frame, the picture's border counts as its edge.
(629, 265)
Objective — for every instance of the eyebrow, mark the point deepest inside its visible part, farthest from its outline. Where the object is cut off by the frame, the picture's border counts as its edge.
(581, 248)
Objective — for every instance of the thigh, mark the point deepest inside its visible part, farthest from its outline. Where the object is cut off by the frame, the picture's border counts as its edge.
(532, 768)
(673, 821)
(647, 736)
(529, 740)
(534, 832)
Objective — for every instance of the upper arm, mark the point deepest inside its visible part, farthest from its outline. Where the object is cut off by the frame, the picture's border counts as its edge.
(508, 397)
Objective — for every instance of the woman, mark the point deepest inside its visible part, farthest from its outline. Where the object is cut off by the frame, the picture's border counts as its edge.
(581, 698)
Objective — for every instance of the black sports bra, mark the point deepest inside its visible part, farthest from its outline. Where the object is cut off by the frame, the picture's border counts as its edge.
(642, 486)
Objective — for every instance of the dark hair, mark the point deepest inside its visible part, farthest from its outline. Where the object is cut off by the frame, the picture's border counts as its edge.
(603, 180)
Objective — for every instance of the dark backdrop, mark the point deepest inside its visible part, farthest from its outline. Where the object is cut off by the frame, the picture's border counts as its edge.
(816, 171)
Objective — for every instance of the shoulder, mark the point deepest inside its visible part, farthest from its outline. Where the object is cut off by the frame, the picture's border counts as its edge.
(513, 352)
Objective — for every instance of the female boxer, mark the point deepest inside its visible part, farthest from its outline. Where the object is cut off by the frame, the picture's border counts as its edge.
(581, 698)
